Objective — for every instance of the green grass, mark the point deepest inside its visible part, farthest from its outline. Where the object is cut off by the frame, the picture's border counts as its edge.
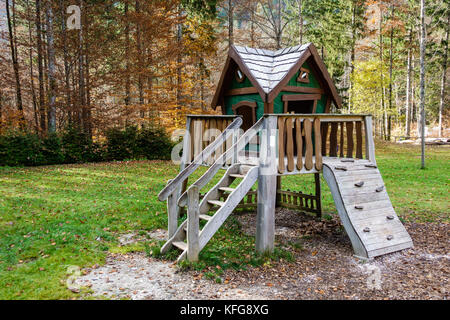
(72, 215)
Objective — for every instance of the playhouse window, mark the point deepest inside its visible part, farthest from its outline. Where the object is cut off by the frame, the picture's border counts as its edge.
(303, 75)
(240, 77)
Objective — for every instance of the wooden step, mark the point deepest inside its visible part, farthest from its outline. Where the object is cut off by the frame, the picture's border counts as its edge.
(236, 175)
(227, 189)
(180, 245)
(216, 202)
(204, 217)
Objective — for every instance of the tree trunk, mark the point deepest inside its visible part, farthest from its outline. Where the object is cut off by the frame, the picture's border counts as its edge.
(391, 36)
(33, 92)
(15, 65)
(383, 104)
(408, 89)
(444, 79)
(422, 79)
(51, 115)
(230, 23)
(300, 21)
(140, 63)
(81, 76)
(127, 57)
(43, 126)
(66, 63)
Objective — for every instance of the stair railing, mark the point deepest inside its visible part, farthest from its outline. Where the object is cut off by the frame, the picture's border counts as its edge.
(170, 191)
(229, 154)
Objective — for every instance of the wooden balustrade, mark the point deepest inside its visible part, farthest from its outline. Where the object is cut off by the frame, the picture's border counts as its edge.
(299, 144)
(343, 139)
(318, 136)
(205, 129)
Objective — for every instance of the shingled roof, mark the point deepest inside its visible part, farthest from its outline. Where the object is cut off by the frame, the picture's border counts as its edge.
(269, 71)
(270, 67)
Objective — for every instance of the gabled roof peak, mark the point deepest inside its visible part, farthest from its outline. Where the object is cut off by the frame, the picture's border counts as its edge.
(268, 67)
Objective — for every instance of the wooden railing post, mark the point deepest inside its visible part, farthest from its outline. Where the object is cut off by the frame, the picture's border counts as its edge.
(370, 145)
(193, 228)
(172, 213)
(267, 187)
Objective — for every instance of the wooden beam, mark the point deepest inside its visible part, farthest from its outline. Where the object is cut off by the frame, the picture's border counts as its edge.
(193, 229)
(267, 189)
(241, 91)
(300, 97)
(303, 89)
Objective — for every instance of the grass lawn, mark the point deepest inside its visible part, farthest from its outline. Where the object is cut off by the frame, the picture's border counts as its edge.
(55, 217)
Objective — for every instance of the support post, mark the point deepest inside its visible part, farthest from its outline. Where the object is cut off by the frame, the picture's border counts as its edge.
(370, 145)
(193, 224)
(172, 214)
(267, 185)
(185, 158)
(318, 195)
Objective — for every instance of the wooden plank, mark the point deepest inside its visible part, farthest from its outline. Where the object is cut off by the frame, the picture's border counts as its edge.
(299, 140)
(359, 146)
(349, 127)
(318, 144)
(241, 91)
(172, 214)
(193, 226)
(342, 141)
(303, 89)
(309, 145)
(318, 196)
(198, 137)
(333, 139)
(265, 227)
(370, 145)
(290, 144)
(324, 134)
(281, 144)
(299, 97)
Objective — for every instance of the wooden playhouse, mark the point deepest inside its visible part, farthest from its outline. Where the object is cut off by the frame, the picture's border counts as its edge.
(276, 121)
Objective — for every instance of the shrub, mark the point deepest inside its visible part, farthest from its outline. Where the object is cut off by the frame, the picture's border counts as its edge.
(154, 143)
(77, 147)
(20, 149)
(121, 144)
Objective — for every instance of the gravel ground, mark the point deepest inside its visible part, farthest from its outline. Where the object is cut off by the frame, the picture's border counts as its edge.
(324, 268)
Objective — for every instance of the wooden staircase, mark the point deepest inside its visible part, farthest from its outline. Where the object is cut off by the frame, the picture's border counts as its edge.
(246, 176)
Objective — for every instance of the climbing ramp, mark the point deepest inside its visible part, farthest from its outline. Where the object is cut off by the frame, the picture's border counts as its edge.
(364, 207)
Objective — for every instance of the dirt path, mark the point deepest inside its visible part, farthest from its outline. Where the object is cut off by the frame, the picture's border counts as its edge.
(324, 268)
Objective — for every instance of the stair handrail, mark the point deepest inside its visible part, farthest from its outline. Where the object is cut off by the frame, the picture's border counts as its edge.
(215, 167)
(198, 160)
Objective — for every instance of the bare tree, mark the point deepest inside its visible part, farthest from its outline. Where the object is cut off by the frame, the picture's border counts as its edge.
(444, 78)
(12, 43)
(51, 112)
(422, 80)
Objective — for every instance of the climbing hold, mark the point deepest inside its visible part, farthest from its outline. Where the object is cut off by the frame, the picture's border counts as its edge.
(366, 229)
(390, 217)
(341, 168)
(359, 207)
(390, 237)
(359, 184)
(371, 166)
(379, 189)
(348, 160)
